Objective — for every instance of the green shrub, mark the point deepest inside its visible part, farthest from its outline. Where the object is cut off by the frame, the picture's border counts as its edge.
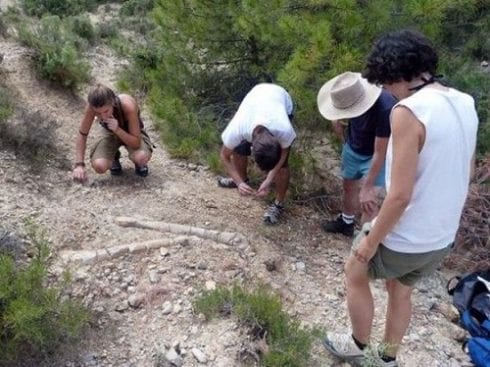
(108, 29)
(6, 104)
(261, 312)
(57, 7)
(213, 52)
(82, 26)
(185, 133)
(136, 7)
(56, 55)
(35, 318)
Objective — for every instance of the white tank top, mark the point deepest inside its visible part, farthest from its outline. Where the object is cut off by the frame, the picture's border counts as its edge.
(431, 220)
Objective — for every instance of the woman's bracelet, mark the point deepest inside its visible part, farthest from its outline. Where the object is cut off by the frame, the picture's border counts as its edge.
(78, 164)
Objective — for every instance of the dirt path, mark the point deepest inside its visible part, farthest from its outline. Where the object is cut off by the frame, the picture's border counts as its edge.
(143, 298)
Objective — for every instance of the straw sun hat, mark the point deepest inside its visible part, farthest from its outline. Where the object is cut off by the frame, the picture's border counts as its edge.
(346, 96)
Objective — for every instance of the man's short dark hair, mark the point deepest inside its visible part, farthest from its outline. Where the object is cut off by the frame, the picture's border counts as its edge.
(266, 150)
(402, 55)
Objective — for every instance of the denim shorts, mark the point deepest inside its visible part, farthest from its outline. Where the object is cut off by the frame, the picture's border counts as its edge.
(407, 268)
(356, 166)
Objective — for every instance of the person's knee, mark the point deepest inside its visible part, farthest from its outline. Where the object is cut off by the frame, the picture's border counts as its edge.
(356, 273)
(397, 291)
(140, 157)
(100, 165)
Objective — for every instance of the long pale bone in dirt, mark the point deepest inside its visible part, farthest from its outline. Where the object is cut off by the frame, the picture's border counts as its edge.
(229, 238)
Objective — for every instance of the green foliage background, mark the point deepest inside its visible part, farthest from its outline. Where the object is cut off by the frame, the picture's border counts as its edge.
(204, 56)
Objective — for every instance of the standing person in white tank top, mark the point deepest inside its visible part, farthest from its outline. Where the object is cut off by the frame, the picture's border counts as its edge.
(429, 165)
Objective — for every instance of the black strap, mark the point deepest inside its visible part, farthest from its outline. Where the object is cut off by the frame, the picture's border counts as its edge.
(432, 79)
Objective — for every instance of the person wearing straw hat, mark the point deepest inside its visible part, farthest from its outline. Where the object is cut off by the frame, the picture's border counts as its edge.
(429, 165)
(360, 112)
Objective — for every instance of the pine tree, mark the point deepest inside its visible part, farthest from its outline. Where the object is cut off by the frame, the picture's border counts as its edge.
(214, 51)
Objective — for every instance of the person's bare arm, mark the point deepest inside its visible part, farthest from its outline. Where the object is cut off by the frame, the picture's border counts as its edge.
(225, 155)
(79, 171)
(408, 135)
(367, 194)
(339, 129)
(132, 138)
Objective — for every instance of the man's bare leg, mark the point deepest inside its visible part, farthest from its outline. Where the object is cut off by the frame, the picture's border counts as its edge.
(282, 184)
(241, 163)
(398, 315)
(359, 299)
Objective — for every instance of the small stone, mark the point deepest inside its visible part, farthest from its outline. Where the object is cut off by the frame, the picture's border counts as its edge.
(121, 307)
(174, 358)
(177, 308)
(167, 308)
(136, 300)
(300, 266)
(210, 285)
(153, 276)
(199, 355)
(202, 265)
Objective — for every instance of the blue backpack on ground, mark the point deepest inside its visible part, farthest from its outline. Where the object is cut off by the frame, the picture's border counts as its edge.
(471, 296)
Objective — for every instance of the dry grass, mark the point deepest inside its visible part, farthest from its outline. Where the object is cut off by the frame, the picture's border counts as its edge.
(473, 240)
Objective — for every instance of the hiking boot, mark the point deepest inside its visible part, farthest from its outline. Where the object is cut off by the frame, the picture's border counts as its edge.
(344, 347)
(141, 171)
(339, 226)
(116, 168)
(228, 183)
(273, 213)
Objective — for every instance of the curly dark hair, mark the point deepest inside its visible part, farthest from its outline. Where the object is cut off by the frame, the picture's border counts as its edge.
(401, 55)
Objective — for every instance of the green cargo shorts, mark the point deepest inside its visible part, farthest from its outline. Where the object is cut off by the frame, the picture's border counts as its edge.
(108, 145)
(408, 268)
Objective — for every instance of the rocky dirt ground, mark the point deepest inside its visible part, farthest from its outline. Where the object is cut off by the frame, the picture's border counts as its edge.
(140, 282)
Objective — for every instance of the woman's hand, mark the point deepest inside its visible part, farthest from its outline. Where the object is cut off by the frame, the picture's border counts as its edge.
(111, 123)
(80, 174)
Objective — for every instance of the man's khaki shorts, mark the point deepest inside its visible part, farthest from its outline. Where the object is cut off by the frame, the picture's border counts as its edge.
(408, 268)
(108, 145)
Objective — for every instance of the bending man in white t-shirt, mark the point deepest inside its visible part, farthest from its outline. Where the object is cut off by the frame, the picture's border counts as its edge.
(262, 127)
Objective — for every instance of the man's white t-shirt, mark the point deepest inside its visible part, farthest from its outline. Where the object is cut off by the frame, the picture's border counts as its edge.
(268, 105)
(431, 220)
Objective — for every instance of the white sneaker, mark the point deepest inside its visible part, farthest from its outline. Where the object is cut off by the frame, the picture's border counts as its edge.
(343, 347)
